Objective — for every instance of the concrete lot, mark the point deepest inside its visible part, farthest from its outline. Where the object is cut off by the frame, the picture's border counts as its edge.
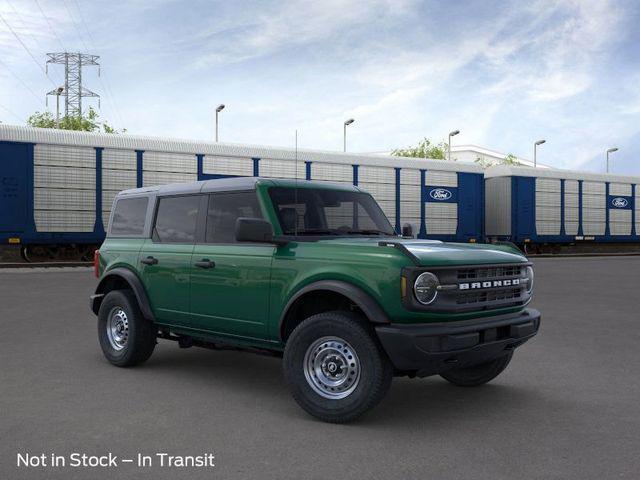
(567, 407)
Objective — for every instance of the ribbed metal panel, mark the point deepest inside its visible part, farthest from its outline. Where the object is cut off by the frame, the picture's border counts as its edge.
(389, 209)
(67, 199)
(148, 144)
(118, 179)
(333, 172)
(113, 159)
(107, 202)
(272, 168)
(637, 209)
(594, 188)
(409, 176)
(571, 186)
(410, 198)
(64, 221)
(441, 179)
(381, 191)
(217, 165)
(620, 189)
(548, 209)
(498, 206)
(441, 218)
(64, 156)
(384, 175)
(619, 221)
(64, 188)
(169, 162)
(161, 178)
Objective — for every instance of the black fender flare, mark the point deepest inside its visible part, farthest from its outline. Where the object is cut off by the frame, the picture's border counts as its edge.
(134, 283)
(359, 297)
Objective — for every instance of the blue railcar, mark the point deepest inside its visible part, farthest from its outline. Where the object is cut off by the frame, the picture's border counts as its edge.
(550, 206)
(58, 186)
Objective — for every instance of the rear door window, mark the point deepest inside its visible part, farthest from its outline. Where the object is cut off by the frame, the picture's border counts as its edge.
(224, 210)
(176, 219)
(129, 216)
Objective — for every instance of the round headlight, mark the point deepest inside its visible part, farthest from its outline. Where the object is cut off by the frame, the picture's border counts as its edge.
(426, 288)
(529, 275)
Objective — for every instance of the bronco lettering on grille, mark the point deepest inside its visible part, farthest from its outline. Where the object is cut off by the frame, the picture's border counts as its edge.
(489, 284)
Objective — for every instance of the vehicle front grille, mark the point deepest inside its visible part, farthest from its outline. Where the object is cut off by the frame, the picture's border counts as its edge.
(491, 272)
(477, 288)
(505, 294)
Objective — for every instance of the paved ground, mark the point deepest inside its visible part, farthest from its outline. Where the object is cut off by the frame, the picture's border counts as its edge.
(567, 407)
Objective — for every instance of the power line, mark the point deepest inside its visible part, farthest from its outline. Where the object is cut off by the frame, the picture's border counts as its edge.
(11, 112)
(75, 26)
(27, 49)
(106, 84)
(24, 25)
(21, 81)
(50, 26)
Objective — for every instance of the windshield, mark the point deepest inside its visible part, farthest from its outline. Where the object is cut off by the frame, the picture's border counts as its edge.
(318, 211)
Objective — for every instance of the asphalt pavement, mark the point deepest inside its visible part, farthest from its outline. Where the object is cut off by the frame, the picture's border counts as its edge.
(568, 406)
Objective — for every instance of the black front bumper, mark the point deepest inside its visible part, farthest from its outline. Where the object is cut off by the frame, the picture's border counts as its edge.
(428, 349)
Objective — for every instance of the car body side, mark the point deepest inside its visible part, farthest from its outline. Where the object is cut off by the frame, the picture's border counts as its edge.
(359, 270)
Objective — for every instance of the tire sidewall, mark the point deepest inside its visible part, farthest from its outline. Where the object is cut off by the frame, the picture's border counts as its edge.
(118, 299)
(372, 367)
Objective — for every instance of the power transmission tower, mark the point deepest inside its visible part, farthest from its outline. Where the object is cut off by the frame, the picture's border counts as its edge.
(73, 91)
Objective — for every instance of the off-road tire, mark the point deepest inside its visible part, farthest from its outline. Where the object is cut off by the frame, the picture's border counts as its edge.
(375, 369)
(476, 375)
(141, 338)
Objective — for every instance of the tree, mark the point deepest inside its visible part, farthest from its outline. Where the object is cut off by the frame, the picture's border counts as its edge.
(86, 123)
(424, 149)
(509, 159)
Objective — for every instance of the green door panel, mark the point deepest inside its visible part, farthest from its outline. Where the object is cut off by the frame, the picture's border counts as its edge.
(167, 282)
(233, 297)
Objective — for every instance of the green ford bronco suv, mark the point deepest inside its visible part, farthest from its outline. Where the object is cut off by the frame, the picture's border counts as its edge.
(312, 272)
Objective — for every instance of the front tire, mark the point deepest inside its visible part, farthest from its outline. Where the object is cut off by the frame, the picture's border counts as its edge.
(476, 375)
(335, 367)
(125, 336)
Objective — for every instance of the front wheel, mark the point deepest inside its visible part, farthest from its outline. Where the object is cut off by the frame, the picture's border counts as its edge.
(476, 375)
(335, 367)
(125, 336)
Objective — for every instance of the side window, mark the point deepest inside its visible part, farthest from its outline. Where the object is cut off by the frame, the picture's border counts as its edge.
(224, 210)
(128, 216)
(176, 219)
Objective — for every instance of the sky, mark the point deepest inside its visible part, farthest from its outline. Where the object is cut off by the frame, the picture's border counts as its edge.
(504, 73)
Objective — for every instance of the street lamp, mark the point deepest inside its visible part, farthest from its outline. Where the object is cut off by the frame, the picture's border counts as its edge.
(344, 135)
(611, 150)
(451, 134)
(535, 152)
(218, 110)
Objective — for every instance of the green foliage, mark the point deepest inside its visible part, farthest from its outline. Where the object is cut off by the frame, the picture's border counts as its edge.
(86, 123)
(510, 159)
(424, 149)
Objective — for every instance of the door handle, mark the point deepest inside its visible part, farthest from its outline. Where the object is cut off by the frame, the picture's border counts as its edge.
(205, 263)
(149, 260)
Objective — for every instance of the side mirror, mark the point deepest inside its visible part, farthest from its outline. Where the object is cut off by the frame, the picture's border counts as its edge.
(254, 230)
(407, 230)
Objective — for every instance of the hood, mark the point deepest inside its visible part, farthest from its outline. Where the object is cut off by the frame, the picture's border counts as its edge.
(436, 253)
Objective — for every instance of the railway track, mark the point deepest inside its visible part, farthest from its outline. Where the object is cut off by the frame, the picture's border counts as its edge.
(43, 264)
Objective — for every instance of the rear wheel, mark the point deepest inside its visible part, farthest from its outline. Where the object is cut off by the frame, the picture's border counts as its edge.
(125, 336)
(477, 374)
(335, 367)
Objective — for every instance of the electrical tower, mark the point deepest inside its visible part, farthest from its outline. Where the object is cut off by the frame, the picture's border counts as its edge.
(73, 91)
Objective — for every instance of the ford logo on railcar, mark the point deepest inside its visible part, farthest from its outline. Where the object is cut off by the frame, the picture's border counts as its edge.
(619, 202)
(440, 194)
(492, 284)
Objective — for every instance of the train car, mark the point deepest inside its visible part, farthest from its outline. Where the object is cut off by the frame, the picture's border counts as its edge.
(549, 206)
(58, 185)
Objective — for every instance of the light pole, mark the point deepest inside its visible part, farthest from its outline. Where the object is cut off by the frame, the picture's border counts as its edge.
(451, 134)
(535, 152)
(611, 150)
(344, 133)
(59, 91)
(218, 110)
